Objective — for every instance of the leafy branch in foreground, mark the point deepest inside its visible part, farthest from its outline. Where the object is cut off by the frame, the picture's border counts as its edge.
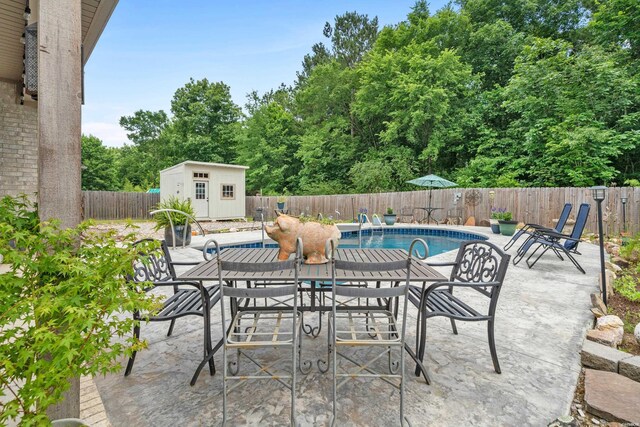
(61, 306)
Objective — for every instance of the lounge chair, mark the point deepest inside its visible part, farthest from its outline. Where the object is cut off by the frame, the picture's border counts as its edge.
(551, 240)
(530, 229)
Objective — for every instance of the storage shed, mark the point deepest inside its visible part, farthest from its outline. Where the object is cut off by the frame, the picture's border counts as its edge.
(217, 191)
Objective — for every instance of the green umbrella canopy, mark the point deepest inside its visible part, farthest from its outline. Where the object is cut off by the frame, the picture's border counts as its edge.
(432, 181)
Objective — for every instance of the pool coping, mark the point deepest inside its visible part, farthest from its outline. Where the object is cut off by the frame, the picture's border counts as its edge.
(250, 239)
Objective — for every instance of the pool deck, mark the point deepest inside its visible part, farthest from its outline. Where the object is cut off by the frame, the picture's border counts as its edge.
(542, 317)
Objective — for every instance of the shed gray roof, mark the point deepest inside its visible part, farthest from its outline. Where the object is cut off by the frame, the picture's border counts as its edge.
(218, 165)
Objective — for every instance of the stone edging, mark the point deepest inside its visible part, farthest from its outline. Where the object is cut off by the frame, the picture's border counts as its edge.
(604, 358)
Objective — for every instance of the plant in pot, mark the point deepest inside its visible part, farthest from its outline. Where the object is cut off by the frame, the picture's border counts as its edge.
(61, 302)
(362, 215)
(390, 217)
(282, 200)
(496, 214)
(507, 225)
(181, 223)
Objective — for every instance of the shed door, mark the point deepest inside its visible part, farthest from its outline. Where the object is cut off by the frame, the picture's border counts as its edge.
(201, 203)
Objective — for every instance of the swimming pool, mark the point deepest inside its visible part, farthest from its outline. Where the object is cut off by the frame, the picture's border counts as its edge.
(439, 240)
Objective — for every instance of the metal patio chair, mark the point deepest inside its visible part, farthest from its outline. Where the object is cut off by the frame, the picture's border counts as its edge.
(255, 325)
(407, 212)
(549, 239)
(530, 229)
(188, 298)
(480, 266)
(373, 322)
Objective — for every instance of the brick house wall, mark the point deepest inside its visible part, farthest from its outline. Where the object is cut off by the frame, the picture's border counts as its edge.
(18, 143)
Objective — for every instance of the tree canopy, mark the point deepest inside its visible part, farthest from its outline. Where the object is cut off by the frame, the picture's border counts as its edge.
(482, 92)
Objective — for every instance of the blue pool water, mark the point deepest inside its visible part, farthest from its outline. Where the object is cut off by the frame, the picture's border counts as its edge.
(437, 244)
(438, 240)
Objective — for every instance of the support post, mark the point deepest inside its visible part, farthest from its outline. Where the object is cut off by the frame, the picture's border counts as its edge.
(59, 109)
(603, 271)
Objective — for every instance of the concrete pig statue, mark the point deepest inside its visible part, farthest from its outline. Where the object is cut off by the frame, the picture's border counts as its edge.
(287, 229)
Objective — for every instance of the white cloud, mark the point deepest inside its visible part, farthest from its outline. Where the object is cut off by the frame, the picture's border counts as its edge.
(112, 135)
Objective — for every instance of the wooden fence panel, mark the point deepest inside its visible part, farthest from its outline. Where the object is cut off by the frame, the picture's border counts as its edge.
(529, 205)
(118, 205)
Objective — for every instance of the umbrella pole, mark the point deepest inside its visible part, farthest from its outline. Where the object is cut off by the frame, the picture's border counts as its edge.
(430, 190)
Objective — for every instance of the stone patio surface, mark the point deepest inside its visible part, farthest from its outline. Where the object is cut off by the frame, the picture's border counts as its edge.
(542, 316)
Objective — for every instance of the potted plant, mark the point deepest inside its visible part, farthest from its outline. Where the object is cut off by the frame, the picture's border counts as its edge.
(507, 226)
(282, 200)
(179, 221)
(390, 217)
(496, 214)
(60, 306)
(362, 215)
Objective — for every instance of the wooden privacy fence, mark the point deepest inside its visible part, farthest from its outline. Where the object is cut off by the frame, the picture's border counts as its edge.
(118, 205)
(529, 205)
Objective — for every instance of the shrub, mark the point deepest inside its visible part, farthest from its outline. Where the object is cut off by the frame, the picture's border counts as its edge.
(501, 214)
(389, 211)
(60, 306)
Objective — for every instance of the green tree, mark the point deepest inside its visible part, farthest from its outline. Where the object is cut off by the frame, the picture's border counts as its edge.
(268, 146)
(572, 104)
(98, 172)
(205, 122)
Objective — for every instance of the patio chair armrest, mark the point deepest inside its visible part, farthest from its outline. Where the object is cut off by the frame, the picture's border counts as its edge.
(557, 236)
(185, 262)
(441, 264)
(448, 284)
(195, 284)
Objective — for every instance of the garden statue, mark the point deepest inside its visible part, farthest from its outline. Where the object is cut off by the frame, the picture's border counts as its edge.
(287, 229)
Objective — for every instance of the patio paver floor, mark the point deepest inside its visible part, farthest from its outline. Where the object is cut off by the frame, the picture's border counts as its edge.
(542, 317)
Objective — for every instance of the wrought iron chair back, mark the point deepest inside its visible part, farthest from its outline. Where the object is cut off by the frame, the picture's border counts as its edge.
(156, 268)
(479, 265)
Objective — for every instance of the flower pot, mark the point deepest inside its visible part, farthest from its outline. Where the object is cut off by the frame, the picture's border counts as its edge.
(362, 218)
(507, 228)
(280, 205)
(181, 239)
(390, 219)
(495, 228)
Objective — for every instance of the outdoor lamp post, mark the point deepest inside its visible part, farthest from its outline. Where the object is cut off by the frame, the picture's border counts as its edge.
(599, 193)
(624, 199)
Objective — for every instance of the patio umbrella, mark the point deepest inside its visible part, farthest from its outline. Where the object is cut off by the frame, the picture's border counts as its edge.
(432, 181)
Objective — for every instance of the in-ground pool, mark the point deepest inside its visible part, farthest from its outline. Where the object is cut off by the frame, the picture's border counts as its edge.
(439, 240)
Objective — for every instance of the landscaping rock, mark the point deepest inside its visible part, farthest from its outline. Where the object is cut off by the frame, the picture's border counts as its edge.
(614, 328)
(630, 368)
(613, 267)
(596, 302)
(608, 337)
(610, 277)
(620, 262)
(599, 356)
(636, 333)
(596, 312)
(612, 396)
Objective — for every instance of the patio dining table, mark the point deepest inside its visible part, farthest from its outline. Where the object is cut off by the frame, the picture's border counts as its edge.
(314, 277)
(429, 214)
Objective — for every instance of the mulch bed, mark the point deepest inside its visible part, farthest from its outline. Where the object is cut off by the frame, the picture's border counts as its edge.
(629, 312)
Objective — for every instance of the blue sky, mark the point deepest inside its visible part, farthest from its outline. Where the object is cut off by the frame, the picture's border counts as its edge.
(151, 48)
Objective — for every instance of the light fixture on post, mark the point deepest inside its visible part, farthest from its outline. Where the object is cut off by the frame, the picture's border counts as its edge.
(599, 193)
(27, 12)
(624, 199)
